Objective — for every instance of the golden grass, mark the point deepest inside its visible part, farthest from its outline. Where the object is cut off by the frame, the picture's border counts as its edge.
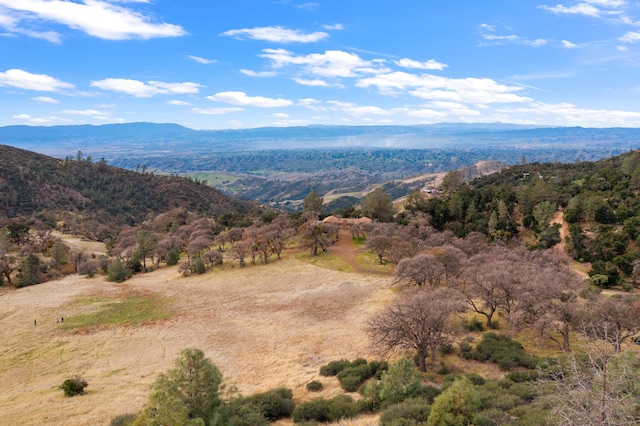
(326, 260)
(369, 262)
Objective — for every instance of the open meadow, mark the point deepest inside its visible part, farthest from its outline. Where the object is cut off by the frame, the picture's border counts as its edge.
(264, 326)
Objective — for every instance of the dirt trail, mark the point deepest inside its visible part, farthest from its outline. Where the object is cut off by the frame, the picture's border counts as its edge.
(344, 249)
(562, 245)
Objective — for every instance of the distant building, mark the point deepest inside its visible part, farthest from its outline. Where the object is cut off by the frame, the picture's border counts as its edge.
(345, 223)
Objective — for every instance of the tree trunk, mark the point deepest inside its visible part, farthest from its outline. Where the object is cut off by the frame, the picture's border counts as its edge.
(422, 355)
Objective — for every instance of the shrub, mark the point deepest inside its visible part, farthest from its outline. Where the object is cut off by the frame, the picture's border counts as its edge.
(89, 268)
(123, 419)
(522, 376)
(334, 367)
(326, 410)
(316, 409)
(74, 386)
(117, 271)
(475, 379)
(413, 409)
(173, 256)
(198, 266)
(274, 404)
(474, 324)
(314, 386)
(503, 351)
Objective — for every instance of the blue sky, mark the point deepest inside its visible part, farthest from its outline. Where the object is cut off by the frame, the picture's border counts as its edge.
(252, 63)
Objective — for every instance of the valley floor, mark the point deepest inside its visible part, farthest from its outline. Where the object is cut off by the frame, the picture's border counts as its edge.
(264, 326)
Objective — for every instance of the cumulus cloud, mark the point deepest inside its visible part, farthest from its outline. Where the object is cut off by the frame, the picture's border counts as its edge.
(100, 115)
(35, 120)
(276, 34)
(333, 27)
(140, 89)
(251, 73)
(216, 111)
(315, 83)
(357, 110)
(45, 99)
(201, 60)
(570, 45)
(178, 103)
(428, 65)
(26, 80)
(241, 98)
(331, 63)
(592, 8)
(437, 88)
(97, 18)
(630, 37)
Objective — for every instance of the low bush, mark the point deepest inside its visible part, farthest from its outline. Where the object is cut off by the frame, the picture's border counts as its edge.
(522, 376)
(314, 386)
(474, 324)
(274, 404)
(352, 374)
(123, 420)
(327, 410)
(334, 367)
(412, 411)
(502, 350)
(74, 386)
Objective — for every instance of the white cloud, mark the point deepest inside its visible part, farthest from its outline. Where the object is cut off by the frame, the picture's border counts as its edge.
(315, 83)
(281, 115)
(216, 111)
(178, 103)
(97, 18)
(200, 60)
(333, 27)
(354, 109)
(251, 73)
(308, 101)
(536, 43)
(331, 63)
(26, 80)
(144, 90)
(488, 27)
(577, 9)
(35, 120)
(241, 98)
(630, 37)
(436, 88)
(312, 7)
(276, 34)
(493, 37)
(102, 115)
(569, 45)
(45, 99)
(428, 65)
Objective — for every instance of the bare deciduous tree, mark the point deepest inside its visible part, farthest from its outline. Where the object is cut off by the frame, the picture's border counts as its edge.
(598, 387)
(419, 270)
(420, 321)
(616, 318)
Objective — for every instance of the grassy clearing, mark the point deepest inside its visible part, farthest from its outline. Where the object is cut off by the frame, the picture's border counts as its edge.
(213, 178)
(369, 263)
(133, 310)
(326, 260)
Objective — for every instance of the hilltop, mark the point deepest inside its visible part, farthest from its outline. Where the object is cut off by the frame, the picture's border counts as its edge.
(32, 183)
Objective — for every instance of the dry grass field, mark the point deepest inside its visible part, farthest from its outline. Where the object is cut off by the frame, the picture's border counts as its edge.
(264, 326)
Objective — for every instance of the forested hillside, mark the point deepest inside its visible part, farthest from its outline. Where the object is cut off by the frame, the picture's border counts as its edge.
(600, 200)
(31, 183)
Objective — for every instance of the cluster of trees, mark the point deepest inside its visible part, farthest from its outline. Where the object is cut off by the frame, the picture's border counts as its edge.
(31, 254)
(599, 199)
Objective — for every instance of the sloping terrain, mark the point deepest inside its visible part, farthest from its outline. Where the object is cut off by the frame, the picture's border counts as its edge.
(264, 326)
(31, 182)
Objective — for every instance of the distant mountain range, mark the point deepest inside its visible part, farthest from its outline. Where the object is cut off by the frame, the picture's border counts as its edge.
(150, 139)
